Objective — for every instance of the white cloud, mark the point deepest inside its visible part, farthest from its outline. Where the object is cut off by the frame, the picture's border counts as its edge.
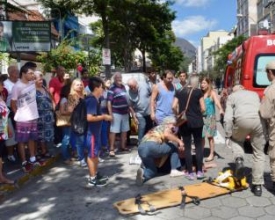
(191, 25)
(192, 3)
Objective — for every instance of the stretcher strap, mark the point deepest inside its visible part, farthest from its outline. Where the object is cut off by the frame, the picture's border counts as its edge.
(195, 199)
(139, 202)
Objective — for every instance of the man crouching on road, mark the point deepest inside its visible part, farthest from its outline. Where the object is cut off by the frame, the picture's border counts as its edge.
(158, 143)
(240, 120)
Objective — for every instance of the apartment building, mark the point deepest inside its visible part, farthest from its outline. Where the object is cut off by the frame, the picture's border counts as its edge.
(210, 43)
(247, 19)
(266, 15)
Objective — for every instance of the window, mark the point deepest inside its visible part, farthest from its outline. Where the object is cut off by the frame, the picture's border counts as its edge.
(260, 76)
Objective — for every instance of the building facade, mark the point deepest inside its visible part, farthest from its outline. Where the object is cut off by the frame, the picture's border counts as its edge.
(247, 19)
(209, 44)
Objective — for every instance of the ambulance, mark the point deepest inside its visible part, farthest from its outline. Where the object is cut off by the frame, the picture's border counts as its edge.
(246, 64)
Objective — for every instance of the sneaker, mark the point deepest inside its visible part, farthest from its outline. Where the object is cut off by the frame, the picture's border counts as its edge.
(68, 162)
(11, 158)
(46, 155)
(176, 173)
(96, 182)
(37, 163)
(200, 175)
(239, 168)
(100, 160)
(58, 145)
(190, 176)
(257, 190)
(140, 177)
(101, 177)
(83, 163)
(27, 167)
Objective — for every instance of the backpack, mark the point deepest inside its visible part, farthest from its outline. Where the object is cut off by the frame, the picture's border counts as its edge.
(79, 123)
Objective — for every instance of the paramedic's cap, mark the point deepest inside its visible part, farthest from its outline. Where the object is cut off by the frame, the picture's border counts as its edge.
(270, 65)
(169, 120)
(237, 88)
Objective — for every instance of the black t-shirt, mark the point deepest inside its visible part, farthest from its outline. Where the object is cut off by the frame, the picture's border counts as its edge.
(193, 113)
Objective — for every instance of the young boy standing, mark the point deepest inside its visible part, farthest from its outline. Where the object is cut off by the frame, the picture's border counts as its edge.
(95, 118)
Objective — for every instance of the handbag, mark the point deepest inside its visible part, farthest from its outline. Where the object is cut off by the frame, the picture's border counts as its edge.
(62, 120)
(134, 127)
(181, 117)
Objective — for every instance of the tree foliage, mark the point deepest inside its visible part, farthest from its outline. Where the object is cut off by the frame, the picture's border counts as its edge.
(222, 53)
(130, 24)
(63, 55)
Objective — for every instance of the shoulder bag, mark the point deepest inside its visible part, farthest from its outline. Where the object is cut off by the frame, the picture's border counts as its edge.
(61, 120)
(181, 117)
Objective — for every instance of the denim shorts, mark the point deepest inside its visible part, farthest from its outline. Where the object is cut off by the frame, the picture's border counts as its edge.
(120, 123)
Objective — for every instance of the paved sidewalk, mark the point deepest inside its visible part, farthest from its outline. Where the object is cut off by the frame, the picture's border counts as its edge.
(13, 171)
(69, 199)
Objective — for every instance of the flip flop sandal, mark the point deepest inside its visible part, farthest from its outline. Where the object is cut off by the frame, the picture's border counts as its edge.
(112, 153)
(209, 160)
(126, 149)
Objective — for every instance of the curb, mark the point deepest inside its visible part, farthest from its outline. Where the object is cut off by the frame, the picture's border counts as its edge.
(8, 188)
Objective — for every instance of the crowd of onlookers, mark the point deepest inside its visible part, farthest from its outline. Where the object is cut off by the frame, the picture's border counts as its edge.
(168, 145)
(35, 116)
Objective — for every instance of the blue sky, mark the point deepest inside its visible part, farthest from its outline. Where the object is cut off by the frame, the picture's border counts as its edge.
(195, 18)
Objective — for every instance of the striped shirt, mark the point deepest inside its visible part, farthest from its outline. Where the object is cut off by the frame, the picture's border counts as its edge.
(118, 98)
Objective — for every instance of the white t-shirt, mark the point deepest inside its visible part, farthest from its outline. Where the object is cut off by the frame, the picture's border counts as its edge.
(9, 85)
(25, 95)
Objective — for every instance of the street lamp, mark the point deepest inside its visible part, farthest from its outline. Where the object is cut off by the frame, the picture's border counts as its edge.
(245, 16)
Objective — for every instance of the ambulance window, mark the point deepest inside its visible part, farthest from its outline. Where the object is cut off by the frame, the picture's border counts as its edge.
(261, 79)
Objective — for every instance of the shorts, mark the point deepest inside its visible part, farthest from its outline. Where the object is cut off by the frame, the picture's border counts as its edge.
(26, 131)
(93, 145)
(120, 123)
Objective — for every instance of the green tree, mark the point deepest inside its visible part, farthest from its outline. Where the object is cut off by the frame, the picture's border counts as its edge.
(221, 55)
(165, 55)
(63, 55)
(130, 24)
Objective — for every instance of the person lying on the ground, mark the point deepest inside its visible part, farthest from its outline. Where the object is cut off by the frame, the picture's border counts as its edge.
(159, 142)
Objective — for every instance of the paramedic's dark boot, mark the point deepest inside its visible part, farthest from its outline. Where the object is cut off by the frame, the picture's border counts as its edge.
(257, 190)
(239, 168)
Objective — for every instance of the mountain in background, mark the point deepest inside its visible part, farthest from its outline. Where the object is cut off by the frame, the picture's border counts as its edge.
(186, 47)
